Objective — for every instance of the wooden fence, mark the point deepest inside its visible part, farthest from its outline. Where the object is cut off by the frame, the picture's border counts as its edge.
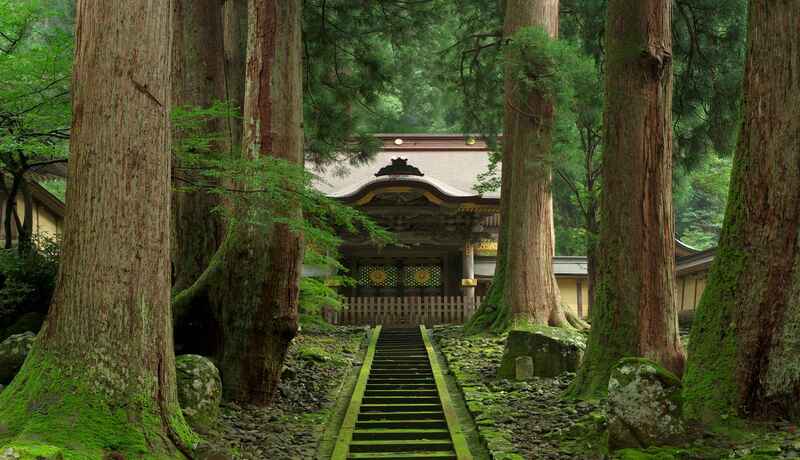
(404, 311)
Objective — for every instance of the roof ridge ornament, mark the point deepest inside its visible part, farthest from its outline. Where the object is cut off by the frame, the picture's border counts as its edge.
(399, 167)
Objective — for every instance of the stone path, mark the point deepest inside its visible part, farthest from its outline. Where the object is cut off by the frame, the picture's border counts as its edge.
(401, 415)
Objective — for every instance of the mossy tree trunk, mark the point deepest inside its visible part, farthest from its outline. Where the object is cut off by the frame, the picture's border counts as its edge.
(634, 310)
(493, 314)
(262, 271)
(199, 80)
(531, 290)
(100, 380)
(524, 287)
(744, 351)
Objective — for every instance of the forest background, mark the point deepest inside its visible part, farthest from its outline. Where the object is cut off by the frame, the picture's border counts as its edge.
(444, 79)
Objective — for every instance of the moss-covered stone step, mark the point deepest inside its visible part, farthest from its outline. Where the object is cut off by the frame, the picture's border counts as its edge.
(398, 370)
(389, 348)
(403, 434)
(399, 407)
(401, 445)
(409, 424)
(400, 400)
(401, 365)
(402, 374)
(401, 386)
(417, 415)
(404, 455)
(421, 379)
(401, 351)
(400, 347)
(401, 392)
(417, 368)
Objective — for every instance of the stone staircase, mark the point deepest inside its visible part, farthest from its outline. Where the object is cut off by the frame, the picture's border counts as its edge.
(401, 415)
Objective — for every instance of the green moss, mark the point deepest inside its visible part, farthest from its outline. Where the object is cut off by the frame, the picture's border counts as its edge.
(313, 353)
(614, 336)
(55, 410)
(666, 377)
(650, 454)
(556, 333)
(709, 387)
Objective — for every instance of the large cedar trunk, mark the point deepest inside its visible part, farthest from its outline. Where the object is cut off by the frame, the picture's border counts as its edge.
(743, 352)
(101, 377)
(263, 270)
(209, 54)
(198, 80)
(634, 310)
(531, 289)
(493, 313)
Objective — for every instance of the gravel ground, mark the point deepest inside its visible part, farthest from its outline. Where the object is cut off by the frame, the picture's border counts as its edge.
(531, 420)
(290, 429)
(532, 415)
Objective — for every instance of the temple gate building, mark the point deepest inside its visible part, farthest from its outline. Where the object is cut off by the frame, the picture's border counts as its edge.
(423, 189)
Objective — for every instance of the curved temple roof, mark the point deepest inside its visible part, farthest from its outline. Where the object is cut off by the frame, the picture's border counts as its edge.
(448, 164)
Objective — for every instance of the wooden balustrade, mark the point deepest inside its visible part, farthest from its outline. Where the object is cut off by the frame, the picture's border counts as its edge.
(404, 311)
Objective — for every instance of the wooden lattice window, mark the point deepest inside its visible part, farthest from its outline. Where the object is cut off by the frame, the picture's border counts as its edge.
(378, 276)
(422, 276)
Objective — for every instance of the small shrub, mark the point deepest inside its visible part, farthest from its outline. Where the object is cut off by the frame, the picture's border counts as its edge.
(27, 279)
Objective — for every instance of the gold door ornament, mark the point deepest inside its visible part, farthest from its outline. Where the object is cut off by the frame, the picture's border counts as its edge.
(422, 277)
(378, 277)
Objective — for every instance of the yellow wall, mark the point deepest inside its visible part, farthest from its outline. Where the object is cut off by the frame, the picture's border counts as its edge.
(688, 290)
(45, 221)
(569, 294)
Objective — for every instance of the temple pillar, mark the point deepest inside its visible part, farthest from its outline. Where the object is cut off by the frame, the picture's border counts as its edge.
(468, 283)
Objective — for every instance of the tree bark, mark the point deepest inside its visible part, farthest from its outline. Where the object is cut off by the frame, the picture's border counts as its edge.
(744, 348)
(100, 379)
(634, 311)
(532, 292)
(198, 80)
(264, 267)
(234, 17)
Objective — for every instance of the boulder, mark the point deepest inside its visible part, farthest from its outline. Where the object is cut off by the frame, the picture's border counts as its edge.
(13, 351)
(553, 351)
(644, 405)
(199, 391)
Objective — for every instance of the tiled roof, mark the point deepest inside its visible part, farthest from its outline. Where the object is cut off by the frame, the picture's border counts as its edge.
(446, 161)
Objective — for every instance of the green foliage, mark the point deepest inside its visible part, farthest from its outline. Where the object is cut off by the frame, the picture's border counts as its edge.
(28, 278)
(354, 55)
(708, 40)
(35, 70)
(264, 191)
(699, 219)
(709, 46)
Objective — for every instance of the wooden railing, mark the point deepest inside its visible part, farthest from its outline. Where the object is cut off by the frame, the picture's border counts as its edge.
(404, 311)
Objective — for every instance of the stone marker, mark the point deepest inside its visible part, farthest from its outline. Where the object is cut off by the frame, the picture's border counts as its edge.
(644, 405)
(524, 365)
